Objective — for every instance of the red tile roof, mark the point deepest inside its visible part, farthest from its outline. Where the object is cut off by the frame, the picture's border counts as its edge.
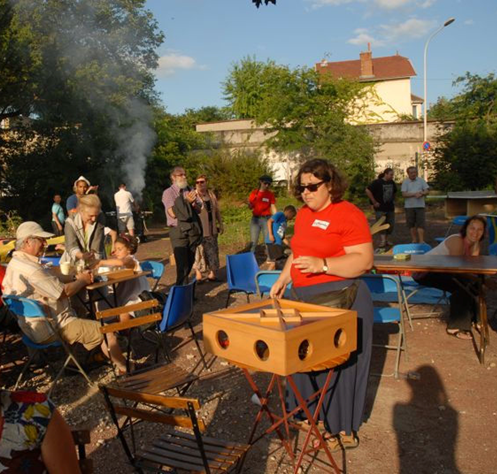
(415, 99)
(388, 67)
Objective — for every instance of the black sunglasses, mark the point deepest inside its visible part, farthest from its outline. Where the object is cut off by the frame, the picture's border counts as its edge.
(200, 181)
(310, 187)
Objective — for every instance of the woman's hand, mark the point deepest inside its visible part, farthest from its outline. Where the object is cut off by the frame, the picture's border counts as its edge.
(278, 289)
(309, 264)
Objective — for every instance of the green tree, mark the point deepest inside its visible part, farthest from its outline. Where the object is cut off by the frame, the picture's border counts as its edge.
(478, 100)
(78, 94)
(306, 115)
(466, 158)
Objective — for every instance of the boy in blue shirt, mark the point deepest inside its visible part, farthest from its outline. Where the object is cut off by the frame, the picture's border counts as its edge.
(58, 216)
(275, 239)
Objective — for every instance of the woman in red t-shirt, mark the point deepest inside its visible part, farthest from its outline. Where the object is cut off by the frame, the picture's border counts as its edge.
(331, 246)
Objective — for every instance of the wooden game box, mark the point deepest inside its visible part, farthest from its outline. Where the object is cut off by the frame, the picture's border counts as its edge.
(289, 338)
(114, 274)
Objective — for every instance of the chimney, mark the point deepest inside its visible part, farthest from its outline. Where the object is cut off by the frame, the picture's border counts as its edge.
(367, 63)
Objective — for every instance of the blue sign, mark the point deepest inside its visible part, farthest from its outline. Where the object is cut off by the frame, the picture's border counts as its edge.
(426, 146)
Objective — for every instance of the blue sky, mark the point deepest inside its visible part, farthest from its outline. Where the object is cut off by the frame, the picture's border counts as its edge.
(205, 37)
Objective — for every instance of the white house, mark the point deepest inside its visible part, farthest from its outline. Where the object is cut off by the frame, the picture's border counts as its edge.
(390, 77)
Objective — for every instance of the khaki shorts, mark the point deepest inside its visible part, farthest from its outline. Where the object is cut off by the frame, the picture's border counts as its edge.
(125, 223)
(84, 331)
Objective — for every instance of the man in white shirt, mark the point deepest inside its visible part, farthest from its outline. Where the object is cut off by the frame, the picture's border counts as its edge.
(414, 189)
(124, 208)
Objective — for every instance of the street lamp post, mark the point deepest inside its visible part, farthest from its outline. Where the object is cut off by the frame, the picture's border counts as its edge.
(425, 115)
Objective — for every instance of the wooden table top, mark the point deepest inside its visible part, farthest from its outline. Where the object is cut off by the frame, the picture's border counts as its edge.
(482, 265)
(112, 281)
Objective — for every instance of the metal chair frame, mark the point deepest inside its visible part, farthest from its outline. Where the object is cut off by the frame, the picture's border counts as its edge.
(29, 308)
(388, 315)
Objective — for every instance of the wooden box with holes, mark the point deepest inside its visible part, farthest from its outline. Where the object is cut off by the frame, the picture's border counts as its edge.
(281, 337)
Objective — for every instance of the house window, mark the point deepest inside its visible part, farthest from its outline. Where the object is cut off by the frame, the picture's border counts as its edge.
(415, 111)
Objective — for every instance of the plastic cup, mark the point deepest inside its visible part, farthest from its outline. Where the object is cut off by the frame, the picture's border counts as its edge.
(65, 268)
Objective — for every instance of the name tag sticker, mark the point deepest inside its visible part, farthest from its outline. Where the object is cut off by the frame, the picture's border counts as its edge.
(321, 224)
(265, 200)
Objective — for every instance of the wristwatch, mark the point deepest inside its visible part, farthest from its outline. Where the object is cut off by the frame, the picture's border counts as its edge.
(325, 266)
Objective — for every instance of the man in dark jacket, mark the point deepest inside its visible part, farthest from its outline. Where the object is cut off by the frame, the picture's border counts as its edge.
(381, 193)
(182, 207)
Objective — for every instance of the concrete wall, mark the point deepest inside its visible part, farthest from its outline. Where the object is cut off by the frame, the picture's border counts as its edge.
(398, 142)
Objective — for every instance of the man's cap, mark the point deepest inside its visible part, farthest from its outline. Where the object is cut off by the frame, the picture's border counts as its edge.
(31, 229)
(82, 178)
(266, 179)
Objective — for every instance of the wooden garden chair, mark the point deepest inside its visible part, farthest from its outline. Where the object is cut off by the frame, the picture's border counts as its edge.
(175, 449)
(152, 380)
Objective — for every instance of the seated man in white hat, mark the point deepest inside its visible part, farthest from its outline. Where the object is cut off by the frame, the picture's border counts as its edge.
(26, 277)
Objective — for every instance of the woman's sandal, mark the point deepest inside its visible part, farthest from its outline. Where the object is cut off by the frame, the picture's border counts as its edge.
(338, 442)
(463, 335)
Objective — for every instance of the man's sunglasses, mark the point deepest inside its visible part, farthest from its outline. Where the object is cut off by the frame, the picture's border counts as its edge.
(312, 188)
(200, 181)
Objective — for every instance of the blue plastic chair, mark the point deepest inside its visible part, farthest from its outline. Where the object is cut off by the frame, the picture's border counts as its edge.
(379, 284)
(55, 261)
(492, 250)
(412, 291)
(456, 221)
(28, 308)
(157, 269)
(411, 249)
(241, 270)
(177, 313)
(265, 279)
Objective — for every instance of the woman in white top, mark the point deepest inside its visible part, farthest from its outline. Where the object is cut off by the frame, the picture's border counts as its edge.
(462, 305)
(127, 292)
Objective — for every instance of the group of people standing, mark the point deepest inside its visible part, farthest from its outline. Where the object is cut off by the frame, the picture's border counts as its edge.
(381, 193)
(194, 222)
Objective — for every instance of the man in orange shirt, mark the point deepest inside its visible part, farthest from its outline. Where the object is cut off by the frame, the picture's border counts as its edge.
(263, 205)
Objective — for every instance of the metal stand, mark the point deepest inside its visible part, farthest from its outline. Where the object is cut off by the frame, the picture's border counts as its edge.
(277, 422)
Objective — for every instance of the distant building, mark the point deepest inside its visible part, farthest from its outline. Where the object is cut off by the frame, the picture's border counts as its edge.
(390, 77)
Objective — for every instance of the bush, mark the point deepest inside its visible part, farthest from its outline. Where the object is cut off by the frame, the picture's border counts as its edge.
(466, 159)
(230, 174)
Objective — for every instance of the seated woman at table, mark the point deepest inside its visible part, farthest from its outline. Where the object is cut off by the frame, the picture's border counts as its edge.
(332, 246)
(462, 306)
(127, 292)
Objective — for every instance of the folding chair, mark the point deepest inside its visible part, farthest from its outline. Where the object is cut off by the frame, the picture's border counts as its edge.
(174, 449)
(177, 313)
(155, 379)
(28, 308)
(265, 279)
(241, 270)
(456, 221)
(157, 269)
(389, 315)
(412, 291)
(51, 260)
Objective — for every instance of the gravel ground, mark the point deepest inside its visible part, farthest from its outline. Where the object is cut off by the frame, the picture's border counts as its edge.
(441, 421)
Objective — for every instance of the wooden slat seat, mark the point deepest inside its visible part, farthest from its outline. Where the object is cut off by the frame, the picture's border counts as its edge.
(176, 449)
(156, 380)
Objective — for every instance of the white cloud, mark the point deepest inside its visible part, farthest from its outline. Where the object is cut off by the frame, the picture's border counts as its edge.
(427, 3)
(383, 4)
(171, 62)
(392, 4)
(469, 22)
(409, 29)
(392, 34)
(363, 37)
(323, 3)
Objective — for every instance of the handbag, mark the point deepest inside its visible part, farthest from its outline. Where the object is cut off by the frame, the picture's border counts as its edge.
(342, 299)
